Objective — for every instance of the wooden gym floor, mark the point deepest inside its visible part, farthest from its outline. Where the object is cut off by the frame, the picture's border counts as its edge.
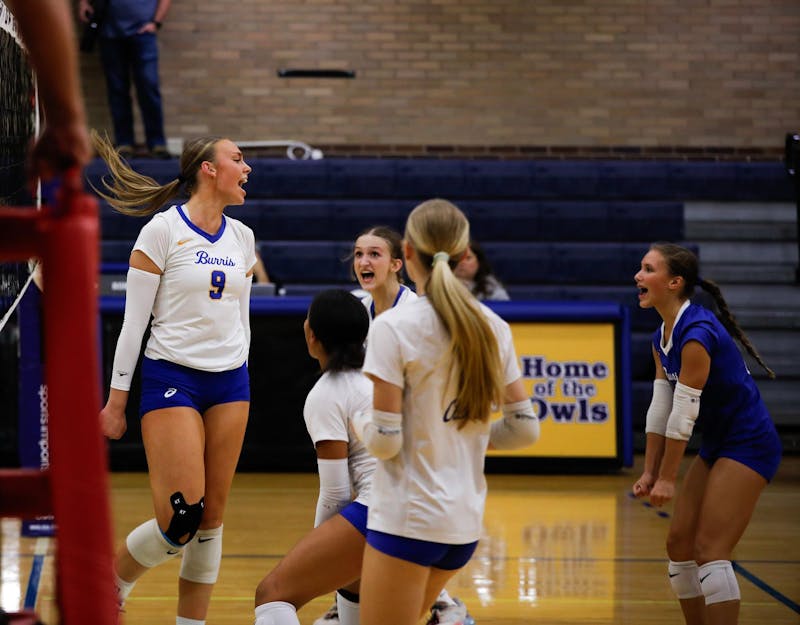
(556, 550)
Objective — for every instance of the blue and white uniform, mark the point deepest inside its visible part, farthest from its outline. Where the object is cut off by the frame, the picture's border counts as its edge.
(733, 418)
(196, 314)
(403, 295)
(434, 489)
(329, 406)
(200, 314)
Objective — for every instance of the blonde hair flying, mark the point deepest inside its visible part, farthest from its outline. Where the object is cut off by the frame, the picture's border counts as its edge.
(132, 193)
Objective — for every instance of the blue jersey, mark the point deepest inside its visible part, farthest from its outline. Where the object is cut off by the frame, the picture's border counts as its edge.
(732, 412)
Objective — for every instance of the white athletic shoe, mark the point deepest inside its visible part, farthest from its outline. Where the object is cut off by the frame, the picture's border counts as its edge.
(331, 617)
(450, 614)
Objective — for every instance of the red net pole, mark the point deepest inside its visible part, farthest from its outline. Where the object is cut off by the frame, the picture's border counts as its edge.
(66, 238)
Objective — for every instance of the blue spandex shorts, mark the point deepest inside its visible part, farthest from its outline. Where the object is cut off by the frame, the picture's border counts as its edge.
(763, 454)
(167, 385)
(422, 552)
(356, 513)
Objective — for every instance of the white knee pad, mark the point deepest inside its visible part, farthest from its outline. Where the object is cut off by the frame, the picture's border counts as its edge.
(719, 582)
(684, 579)
(276, 613)
(202, 556)
(149, 547)
(349, 611)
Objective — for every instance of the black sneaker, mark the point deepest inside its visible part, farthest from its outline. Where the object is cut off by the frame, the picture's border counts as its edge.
(160, 152)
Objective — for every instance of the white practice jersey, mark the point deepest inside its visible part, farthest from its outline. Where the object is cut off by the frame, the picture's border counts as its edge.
(434, 488)
(196, 317)
(329, 406)
(403, 295)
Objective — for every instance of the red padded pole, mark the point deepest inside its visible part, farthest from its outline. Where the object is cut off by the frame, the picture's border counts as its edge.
(79, 466)
(25, 492)
(19, 233)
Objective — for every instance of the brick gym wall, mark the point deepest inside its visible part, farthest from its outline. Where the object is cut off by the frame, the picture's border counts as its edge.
(505, 78)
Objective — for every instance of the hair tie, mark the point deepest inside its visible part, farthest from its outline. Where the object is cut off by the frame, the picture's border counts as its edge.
(440, 256)
(181, 179)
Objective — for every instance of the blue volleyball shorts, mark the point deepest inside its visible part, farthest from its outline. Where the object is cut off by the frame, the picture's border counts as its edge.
(169, 385)
(422, 552)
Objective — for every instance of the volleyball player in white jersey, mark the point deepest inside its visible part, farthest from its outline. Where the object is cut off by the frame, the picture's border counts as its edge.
(378, 267)
(191, 269)
(438, 365)
(329, 557)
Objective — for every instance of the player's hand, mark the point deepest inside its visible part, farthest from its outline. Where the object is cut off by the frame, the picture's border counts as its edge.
(113, 422)
(85, 10)
(662, 492)
(149, 27)
(642, 486)
(60, 147)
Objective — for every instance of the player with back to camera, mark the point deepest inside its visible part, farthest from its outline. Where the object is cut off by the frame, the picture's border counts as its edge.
(701, 377)
(191, 269)
(438, 365)
(378, 266)
(329, 557)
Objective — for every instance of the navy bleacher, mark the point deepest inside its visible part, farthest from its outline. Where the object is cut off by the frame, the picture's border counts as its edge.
(419, 179)
(490, 220)
(554, 230)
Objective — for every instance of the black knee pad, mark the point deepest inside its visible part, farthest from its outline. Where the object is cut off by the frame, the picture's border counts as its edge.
(185, 519)
(350, 596)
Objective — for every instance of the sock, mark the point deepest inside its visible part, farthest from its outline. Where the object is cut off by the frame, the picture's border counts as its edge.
(349, 611)
(182, 620)
(445, 597)
(276, 613)
(123, 588)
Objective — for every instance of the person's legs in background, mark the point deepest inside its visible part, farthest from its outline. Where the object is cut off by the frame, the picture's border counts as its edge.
(116, 57)
(148, 91)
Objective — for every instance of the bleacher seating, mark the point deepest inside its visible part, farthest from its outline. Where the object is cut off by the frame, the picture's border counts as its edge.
(554, 230)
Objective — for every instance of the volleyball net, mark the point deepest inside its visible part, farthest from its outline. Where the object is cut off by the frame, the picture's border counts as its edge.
(24, 420)
(17, 128)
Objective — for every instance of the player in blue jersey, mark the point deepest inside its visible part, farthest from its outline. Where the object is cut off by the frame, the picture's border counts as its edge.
(191, 269)
(701, 377)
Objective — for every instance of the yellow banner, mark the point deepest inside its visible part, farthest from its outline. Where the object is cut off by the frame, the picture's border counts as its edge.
(569, 372)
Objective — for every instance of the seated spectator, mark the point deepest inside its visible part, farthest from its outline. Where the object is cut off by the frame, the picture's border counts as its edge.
(475, 272)
(260, 274)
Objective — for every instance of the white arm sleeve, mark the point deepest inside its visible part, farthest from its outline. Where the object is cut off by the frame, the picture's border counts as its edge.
(660, 407)
(380, 431)
(334, 488)
(685, 408)
(244, 309)
(519, 426)
(141, 290)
